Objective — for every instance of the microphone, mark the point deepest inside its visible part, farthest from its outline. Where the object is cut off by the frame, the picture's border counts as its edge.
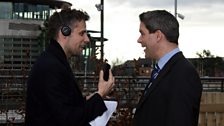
(105, 69)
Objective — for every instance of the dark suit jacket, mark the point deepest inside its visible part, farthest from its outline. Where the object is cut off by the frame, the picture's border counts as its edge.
(173, 98)
(53, 95)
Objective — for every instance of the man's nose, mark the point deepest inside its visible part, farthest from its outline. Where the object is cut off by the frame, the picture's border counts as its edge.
(139, 40)
(87, 40)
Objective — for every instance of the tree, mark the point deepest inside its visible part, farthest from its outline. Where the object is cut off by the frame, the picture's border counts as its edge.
(205, 54)
(209, 64)
(116, 62)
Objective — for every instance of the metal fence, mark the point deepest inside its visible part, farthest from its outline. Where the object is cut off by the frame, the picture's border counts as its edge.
(127, 92)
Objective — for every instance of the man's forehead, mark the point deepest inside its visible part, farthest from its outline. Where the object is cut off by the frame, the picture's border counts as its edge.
(80, 26)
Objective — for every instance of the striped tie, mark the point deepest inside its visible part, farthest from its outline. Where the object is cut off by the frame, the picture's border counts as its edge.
(154, 74)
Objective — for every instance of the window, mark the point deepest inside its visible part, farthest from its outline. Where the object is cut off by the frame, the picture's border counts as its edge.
(6, 10)
(30, 11)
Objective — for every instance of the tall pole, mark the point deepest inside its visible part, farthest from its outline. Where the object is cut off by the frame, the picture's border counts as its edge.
(102, 32)
(175, 8)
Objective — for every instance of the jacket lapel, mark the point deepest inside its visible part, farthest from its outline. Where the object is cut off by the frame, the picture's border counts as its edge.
(58, 52)
(161, 74)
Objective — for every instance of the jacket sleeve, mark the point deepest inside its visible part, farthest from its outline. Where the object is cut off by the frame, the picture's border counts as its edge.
(63, 100)
(95, 107)
(184, 100)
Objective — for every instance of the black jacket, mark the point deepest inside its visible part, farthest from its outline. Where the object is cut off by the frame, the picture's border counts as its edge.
(53, 95)
(174, 97)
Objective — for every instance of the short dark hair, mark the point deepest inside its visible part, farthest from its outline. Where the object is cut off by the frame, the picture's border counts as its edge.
(163, 21)
(64, 17)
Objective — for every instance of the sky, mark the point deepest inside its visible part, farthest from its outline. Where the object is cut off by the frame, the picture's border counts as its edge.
(201, 29)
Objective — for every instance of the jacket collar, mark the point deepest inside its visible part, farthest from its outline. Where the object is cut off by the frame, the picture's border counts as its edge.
(56, 50)
(161, 74)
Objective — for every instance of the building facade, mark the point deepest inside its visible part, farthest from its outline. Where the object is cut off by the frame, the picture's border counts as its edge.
(21, 38)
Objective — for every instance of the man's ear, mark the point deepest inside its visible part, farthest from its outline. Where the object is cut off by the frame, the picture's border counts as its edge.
(159, 35)
(61, 36)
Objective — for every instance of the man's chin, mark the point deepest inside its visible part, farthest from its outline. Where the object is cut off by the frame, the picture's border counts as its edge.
(148, 57)
(78, 55)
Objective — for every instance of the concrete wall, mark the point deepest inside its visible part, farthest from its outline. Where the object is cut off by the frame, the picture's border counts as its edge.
(20, 27)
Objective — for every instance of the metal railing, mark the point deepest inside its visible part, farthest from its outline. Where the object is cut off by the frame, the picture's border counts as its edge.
(127, 92)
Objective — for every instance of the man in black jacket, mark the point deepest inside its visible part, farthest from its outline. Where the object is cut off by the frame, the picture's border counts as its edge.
(53, 95)
(172, 97)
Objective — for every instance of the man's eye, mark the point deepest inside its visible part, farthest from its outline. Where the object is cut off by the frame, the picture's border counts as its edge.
(82, 33)
(141, 33)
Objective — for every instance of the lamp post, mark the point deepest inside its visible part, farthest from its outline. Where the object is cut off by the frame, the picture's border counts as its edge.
(175, 11)
(175, 8)
(100, 7)
(102, 29)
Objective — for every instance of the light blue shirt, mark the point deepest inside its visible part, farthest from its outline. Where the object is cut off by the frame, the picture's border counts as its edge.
(162, 61)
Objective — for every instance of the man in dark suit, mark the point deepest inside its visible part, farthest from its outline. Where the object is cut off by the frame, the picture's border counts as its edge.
(172, 98)
(53, 95)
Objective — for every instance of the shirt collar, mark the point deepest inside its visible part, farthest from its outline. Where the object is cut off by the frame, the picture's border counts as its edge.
(162, 61)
